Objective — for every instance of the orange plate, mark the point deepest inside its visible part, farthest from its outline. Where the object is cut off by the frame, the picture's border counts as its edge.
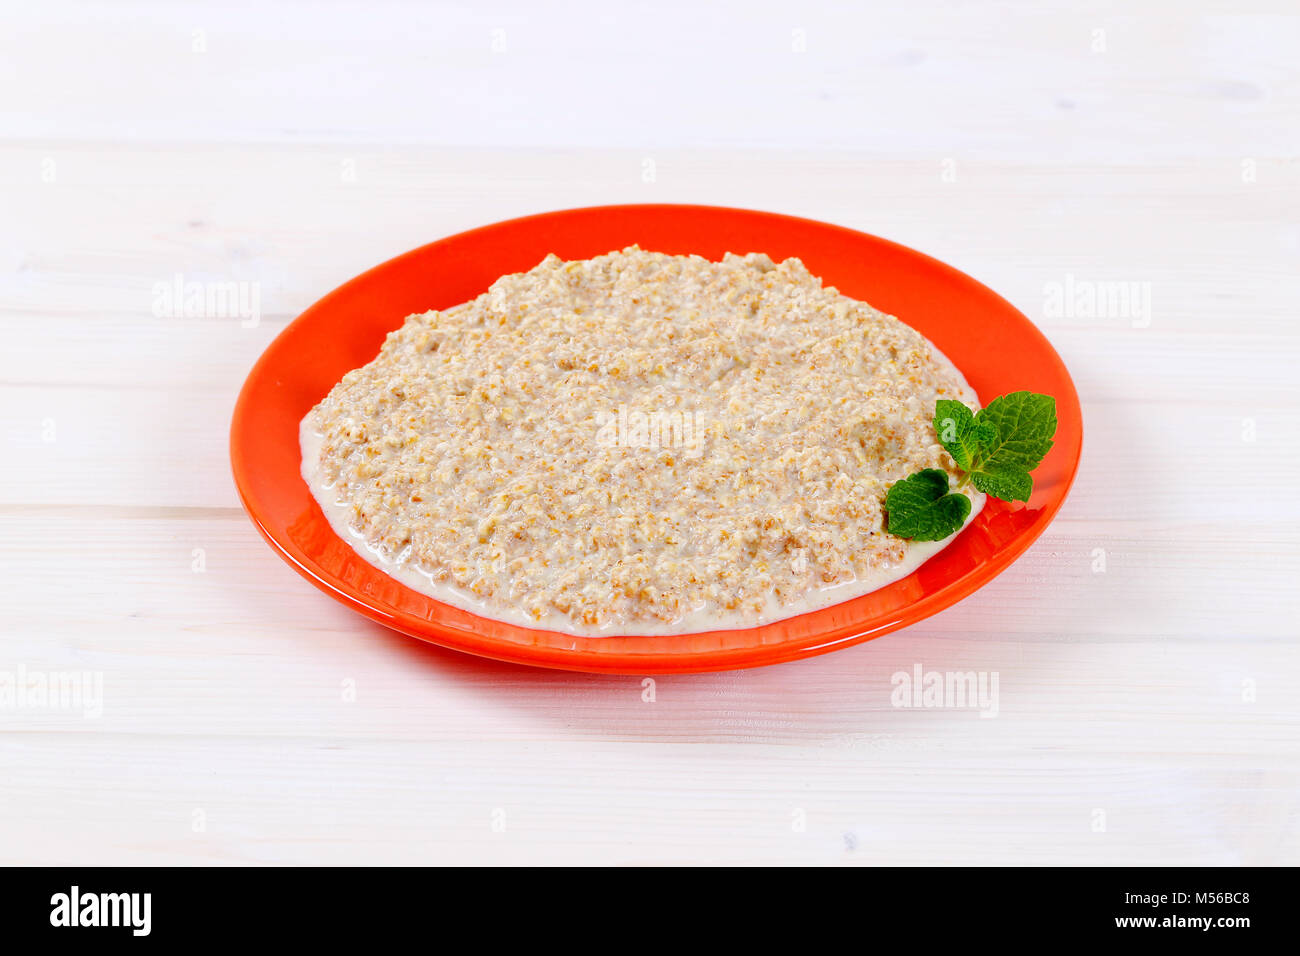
(997, 348)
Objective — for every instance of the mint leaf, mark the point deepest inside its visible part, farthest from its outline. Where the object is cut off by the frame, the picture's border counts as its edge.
(1023, 424)
(921, 507)
(960, 432)
(1009, 484)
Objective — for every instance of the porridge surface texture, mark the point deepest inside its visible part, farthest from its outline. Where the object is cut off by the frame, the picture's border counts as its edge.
(636, 443)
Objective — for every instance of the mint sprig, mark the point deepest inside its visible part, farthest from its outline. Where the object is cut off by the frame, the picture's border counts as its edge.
(997, 447)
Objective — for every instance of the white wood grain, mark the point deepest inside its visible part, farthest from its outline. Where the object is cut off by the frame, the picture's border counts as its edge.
(1145, 647)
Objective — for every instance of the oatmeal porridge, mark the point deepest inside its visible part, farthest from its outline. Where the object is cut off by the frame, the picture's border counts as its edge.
(637, 443)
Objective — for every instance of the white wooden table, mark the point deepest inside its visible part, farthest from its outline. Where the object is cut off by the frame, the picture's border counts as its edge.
(1145, 647)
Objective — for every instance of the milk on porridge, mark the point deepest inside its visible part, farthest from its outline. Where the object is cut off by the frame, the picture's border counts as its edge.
(637, 443)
